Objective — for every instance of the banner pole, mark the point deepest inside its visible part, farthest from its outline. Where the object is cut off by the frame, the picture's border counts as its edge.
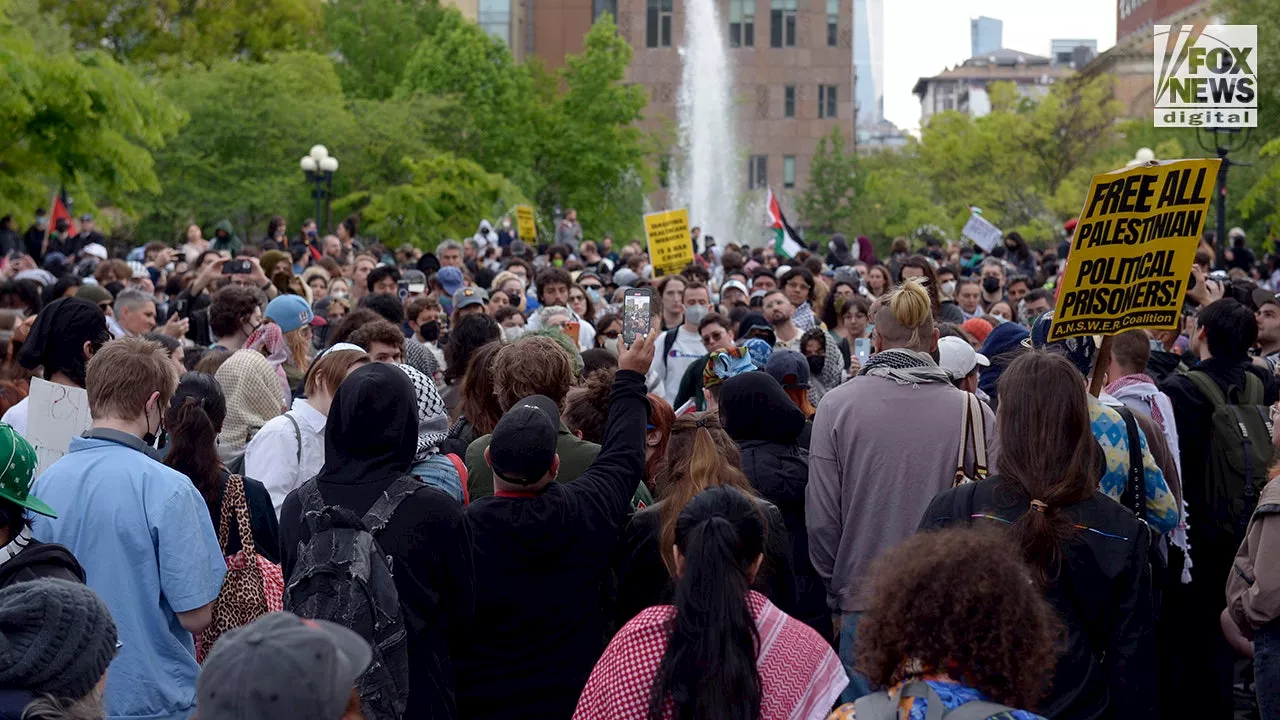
(1100, 366)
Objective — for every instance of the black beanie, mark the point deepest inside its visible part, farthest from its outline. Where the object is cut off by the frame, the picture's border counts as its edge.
(56, 637)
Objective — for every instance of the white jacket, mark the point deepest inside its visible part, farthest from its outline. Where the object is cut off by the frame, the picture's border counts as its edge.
(271, 457)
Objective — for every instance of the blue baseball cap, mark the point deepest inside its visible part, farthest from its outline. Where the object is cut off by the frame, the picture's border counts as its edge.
(291, 312)
(450, 278)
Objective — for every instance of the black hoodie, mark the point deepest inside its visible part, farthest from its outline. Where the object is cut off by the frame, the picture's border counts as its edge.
(370, 440)
(767, 425)
(41, 560)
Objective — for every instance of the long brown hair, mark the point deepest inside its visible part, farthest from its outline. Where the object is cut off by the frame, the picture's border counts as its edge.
(661, 417)
(700, 455)
(478, 403)
(1047, 450)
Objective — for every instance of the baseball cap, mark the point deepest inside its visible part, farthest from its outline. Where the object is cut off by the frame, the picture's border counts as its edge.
(417, 280)
(450, 278)
(626, 277)
(789, 368)
(95, 294)
(86, 217)
(138, 269)
(94, 250)
(958, 358)
(279, 666)
(291, 312)
(734, 285)
(1262, 297)
(523, 445)
(19, 471)
(469, 296)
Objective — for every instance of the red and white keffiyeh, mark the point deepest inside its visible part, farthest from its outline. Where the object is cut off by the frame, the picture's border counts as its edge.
(800, 675)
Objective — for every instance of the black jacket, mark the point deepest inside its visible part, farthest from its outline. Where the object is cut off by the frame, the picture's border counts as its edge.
(13, 702)
(41, 560)
(370, 440)
(262, 521)
(643, 580)
(1102, 595)
(541, 562)
(33, 243)
(768, 428)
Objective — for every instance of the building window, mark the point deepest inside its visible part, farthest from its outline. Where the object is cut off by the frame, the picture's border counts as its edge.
(658, 24)
(782, 23)
(833, 23)
(789, 171)
(758, 172)
(600, 7)
(742, 23)
(789, 101)
(827, 101)
(495, 17)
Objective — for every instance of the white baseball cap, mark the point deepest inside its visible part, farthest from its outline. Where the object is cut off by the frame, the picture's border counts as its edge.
(958, 358)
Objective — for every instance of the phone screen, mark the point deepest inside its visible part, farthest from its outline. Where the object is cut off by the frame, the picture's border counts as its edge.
(572, 329)
(862, 348)
(236, 267)
(635, 315)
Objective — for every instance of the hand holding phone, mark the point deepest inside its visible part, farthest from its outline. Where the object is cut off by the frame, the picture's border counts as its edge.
(862, 349)
(636, 315)
(237, 267)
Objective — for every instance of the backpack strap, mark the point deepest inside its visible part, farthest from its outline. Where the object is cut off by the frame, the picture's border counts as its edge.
(312, 503)
(668, 342)
(1253, 392)
(977, 710)
(297, 434)
(876, 706)
(1134, 495)
(380, 514)
(1209, 388)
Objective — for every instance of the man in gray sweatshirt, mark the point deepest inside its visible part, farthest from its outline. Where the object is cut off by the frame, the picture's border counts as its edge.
(883, 445)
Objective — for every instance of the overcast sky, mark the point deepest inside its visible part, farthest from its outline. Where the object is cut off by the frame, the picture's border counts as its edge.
(914, 49)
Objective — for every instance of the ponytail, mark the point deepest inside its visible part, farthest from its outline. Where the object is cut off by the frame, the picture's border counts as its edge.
(704, 464)
(709, 669)
(192, 421)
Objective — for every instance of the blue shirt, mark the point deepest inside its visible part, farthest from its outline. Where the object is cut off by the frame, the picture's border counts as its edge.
(146, 541)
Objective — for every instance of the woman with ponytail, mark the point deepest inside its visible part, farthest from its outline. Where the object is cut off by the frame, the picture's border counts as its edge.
(719, 651)
(700, 455)
(1088, 553)
(193, 420)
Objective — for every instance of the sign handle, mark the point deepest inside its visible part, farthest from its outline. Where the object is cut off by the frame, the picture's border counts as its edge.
(1100, 366)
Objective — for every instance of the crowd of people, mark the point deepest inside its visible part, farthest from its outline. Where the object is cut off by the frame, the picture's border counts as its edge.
(329, 479)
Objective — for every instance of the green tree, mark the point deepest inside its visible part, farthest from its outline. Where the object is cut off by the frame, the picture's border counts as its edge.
(170, 32)
(594, 156)
(72, 119)
(1254, 192)
(375, 40)
(836, 184)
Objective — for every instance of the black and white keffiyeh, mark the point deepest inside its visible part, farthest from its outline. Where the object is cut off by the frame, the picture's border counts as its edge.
(905, 367)
(433, 420)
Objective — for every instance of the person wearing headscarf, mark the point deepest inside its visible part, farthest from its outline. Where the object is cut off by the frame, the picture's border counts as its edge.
(65, 335)
(252, 389)
(838, 252)
(371, 439)
(429, 465)
(269, 340)
(866, 253)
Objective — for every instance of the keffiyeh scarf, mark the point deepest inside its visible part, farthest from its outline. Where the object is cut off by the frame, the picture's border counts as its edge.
(269, 340)
(433, 420)
(905, 367)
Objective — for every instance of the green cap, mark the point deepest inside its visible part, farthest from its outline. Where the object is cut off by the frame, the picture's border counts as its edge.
(19, 470)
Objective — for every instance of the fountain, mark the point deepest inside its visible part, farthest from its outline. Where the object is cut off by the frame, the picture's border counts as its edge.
(707, 179)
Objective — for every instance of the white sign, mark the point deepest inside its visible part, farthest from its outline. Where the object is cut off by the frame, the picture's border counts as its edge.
(55, 414)
(982, 232)
(1206, 76)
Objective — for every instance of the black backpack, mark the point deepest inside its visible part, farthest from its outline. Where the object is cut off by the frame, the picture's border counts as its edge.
(1240, 454)
(343, 576)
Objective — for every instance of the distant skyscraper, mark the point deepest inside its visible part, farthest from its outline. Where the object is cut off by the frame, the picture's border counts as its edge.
(868, 60)
(986, 35)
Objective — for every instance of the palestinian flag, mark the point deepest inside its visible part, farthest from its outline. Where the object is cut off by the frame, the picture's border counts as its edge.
(786, 240)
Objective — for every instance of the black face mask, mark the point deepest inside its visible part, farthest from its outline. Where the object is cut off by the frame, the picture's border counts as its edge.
(991, 284)
(816, 363)
(514, 298)
(430, 331)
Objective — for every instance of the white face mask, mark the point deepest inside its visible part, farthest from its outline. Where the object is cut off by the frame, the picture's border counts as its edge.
(949, 288)
(512, 334)
(611, 344)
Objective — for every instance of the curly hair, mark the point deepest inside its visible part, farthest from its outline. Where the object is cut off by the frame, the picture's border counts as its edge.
(960, 602)
(533, 365)
(230, 307)
(471, 332)
(587, 407)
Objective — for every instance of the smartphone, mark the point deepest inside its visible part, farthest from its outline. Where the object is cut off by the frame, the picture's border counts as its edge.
(862, 349)
(402, 289)
(237, 267)
(572, 329)
(635, 313)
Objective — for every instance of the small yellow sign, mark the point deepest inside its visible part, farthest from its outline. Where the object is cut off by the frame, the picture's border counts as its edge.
(524, 224)
(670, 244)
(1133, 248)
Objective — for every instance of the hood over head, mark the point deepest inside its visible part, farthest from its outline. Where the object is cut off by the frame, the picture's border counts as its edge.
(371, 435)
(57, 337)
(753, 406)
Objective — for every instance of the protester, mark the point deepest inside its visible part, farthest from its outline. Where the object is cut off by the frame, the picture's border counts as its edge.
(1252, 608)
(955, 617)
(233, 316)
(382, 340)
(826, 367)
(798, 285)
(466, 337)
(478, 409)
(900, 418)
(243, 676)
(26, 558)
(289, 449)
(700, 455)
(716, 332)
(371, 437)
(670, 293)
(1087, 552)
(779, 311)
(59, 639)
(141, 531)
(720, 650)
(429, 464)
(553, 290)
(252, 392)
(1128, 382)
(681, 346)
(961, 364)
(64, 337)
(546, 547)
(295, 318)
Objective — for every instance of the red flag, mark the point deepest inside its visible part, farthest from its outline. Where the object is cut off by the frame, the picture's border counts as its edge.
(57, 211)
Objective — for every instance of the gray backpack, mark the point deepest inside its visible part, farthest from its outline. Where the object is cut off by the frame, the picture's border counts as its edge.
(343, 576)
(880, 706)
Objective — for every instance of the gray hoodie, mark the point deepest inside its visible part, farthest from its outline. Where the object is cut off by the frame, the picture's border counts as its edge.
(880, 452)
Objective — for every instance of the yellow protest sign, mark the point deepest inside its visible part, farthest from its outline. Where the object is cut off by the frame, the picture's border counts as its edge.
(1134, 244)
(670, 245)
(524, 224)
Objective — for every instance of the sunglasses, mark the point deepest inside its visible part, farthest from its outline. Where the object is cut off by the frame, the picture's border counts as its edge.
(104, 306)
(589, 287)
(611, 334)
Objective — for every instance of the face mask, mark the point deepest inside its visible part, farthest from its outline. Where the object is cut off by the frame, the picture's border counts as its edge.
(149, 438)
(512, 334)
(611, 344)
(558, 262)
(42, 223)
(949, 288)
(991, 284)
(594, 294)
(694, 314)
(816, 363)
(514, 298)
(430, 330)
(506, 223)
(252, 329)
(338, 293)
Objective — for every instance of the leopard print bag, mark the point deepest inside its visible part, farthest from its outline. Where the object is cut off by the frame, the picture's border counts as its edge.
(254, 586)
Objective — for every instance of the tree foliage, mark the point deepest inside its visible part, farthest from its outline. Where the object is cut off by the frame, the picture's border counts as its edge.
(375, 40)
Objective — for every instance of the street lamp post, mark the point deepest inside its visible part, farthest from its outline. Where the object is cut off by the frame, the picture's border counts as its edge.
(1225, 140)
(319, 167)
